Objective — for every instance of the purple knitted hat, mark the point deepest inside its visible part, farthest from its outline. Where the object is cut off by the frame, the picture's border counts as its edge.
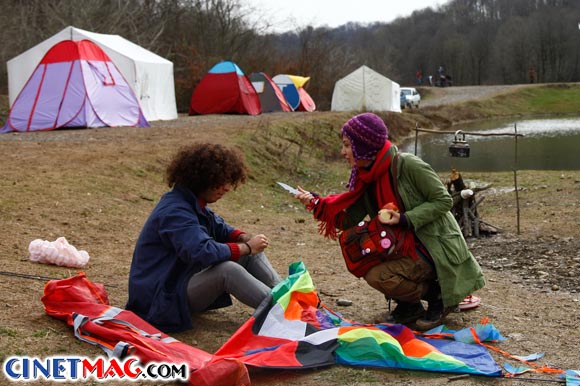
(367, 134)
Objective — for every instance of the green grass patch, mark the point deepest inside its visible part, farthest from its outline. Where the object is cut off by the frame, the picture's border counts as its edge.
(552, 99)
(555, 98)
(298, 152)
(528, 101)
(4, 331)
(43, 333)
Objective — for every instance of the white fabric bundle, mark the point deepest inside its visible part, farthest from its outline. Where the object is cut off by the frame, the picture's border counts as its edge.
(58, 252)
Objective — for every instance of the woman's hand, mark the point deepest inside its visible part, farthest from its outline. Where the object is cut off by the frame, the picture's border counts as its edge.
(389, 216)
(304, 196)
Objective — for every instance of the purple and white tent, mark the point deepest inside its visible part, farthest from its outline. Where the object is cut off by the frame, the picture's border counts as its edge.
(75, 85)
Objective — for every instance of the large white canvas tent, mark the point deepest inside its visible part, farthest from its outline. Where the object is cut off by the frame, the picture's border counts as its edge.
(366, 90)
(149, 75)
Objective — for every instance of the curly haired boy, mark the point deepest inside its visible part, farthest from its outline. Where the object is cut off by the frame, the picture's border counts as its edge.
(187, 258)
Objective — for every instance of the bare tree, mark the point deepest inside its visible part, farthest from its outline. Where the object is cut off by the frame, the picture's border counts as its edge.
(478, 41)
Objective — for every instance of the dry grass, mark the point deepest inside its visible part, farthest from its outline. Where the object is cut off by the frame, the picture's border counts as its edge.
(97, 187)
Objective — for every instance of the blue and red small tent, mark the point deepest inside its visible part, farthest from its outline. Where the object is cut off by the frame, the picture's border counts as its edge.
(225, 89)
(75, 85)
(271, 97)
(292, 87)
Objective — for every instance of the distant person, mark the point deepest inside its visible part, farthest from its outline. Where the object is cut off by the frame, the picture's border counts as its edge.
(187, 258)
(419, 77)
(441, 74)
(430, 78)
(532, 74)
(434, 263)
(448, 80)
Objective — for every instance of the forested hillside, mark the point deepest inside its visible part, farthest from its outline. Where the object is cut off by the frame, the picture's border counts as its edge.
(477, 41)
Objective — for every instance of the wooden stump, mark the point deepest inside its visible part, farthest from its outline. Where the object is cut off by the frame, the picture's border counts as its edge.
(465, 209)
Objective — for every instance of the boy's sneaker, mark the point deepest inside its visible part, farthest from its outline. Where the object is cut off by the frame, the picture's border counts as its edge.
(406, 313)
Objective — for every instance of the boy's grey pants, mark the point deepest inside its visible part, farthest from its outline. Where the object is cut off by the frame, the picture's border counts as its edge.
(249, 280)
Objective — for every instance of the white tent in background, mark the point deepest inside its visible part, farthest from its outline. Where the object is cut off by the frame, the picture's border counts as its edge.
(149, 75)
(366, 90)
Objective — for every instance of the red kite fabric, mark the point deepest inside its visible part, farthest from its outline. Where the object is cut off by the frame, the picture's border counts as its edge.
(85, 306)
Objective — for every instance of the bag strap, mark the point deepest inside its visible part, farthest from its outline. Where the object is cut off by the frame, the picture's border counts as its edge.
(395, 182)
(395, 185)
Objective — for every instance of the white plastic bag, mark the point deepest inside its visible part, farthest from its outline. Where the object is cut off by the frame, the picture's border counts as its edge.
(58, 252)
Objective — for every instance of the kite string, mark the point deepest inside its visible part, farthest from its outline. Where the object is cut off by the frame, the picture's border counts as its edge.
(535, 367)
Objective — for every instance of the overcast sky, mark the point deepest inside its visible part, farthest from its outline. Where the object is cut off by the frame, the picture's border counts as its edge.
(289, 15)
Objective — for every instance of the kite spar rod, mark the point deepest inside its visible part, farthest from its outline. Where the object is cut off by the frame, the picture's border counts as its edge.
(463, 376)
(28, 276)
(37, 277)
(562, 381)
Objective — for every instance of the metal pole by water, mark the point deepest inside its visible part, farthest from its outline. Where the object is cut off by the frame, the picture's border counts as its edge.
(416, 136)
(516, 176)
(487, 134)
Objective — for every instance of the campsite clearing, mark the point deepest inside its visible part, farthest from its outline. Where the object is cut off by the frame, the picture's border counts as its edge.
(150, 75)
(96, 187)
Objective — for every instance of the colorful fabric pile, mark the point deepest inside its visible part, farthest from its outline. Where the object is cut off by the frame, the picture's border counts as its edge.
(294, 330)
(291, 329)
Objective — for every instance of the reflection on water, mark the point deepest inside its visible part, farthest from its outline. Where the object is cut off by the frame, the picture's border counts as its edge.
(548, 144)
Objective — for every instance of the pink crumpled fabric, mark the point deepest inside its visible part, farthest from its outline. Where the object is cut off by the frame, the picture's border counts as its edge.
(58, 252)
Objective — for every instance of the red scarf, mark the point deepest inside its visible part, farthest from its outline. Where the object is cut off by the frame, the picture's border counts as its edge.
(330, 207)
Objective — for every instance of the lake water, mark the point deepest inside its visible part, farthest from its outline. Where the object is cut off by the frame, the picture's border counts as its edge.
(548, 144)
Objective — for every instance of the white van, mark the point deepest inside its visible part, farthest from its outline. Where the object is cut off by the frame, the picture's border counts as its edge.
(410, 97)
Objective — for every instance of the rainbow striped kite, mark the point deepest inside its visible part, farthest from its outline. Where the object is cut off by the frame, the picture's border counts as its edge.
(293, 330)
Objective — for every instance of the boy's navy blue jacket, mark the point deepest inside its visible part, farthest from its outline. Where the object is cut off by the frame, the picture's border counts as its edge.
(179, 239)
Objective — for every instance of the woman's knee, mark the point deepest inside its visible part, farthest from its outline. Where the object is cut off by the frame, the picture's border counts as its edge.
(394, 285)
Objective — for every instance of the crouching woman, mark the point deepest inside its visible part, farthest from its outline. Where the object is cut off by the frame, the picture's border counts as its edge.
(433, 263)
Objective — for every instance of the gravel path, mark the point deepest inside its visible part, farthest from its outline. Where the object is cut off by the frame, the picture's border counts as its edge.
(449, 95)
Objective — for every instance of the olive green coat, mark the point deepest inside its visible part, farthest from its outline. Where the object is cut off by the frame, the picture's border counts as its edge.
(428, 205)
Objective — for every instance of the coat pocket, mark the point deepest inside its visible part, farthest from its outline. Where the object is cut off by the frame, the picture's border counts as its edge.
(454, 247)
(165, 312)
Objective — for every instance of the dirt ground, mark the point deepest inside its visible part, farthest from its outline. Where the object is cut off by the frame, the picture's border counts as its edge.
(96, 187)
